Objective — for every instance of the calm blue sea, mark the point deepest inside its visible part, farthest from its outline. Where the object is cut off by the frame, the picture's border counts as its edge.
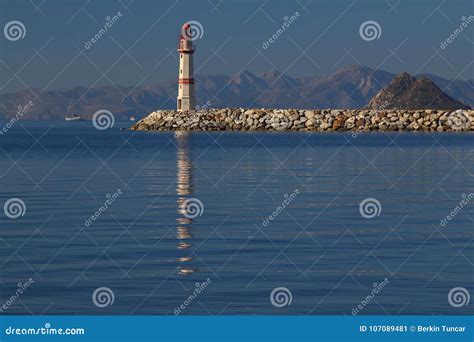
(274, 211)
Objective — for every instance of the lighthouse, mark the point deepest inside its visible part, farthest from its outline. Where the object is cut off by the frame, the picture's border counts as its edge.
(185, 79)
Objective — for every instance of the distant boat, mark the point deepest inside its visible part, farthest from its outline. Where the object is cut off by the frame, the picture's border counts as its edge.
(74, 118)
(132, 118)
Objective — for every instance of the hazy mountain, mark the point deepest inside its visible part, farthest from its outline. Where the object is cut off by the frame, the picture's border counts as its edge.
(352, 86)
(408, 92)
(460, 90)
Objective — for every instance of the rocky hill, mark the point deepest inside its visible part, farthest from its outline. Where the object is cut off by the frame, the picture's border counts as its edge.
(408, 92)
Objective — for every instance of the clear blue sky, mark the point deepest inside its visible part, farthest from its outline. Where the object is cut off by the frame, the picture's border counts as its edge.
(140, 48)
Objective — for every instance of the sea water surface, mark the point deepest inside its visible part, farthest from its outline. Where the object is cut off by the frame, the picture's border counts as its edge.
(104, 209)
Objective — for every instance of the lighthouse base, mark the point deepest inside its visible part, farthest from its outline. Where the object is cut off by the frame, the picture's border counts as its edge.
(185, 104)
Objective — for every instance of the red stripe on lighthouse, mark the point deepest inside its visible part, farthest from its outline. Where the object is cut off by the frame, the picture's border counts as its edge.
(186, 80)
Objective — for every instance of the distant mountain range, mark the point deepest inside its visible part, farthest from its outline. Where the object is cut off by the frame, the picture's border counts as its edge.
(352, 86)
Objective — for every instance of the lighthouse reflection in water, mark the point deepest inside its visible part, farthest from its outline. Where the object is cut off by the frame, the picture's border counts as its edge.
(184, 189)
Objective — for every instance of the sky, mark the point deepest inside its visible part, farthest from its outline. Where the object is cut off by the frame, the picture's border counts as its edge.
(139, 46)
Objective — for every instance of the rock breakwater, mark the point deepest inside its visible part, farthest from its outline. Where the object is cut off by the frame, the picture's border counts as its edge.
(319, 120)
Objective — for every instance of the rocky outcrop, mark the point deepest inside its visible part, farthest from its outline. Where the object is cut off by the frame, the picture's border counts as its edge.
(407, 92)
(241, 119)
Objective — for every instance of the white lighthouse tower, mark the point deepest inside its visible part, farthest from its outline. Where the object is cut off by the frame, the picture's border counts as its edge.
(185, 79)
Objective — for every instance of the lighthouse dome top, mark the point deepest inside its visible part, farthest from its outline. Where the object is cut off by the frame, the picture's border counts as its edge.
(186, 26)
(186, 31)
(185, 44)
(192, 30)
